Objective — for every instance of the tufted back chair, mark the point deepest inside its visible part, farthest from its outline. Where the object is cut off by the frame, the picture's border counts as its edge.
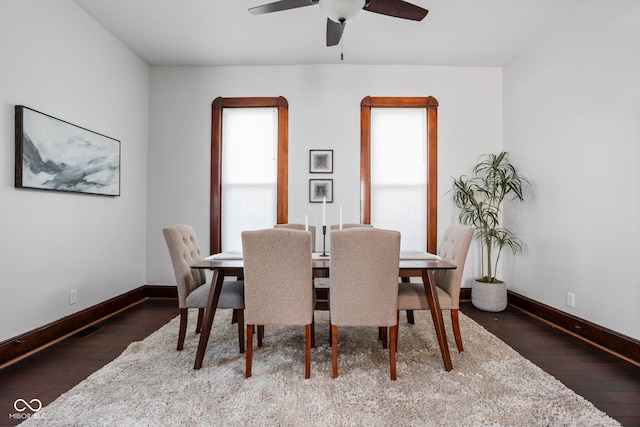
(193, 289)
(453, 248)
(184, 251)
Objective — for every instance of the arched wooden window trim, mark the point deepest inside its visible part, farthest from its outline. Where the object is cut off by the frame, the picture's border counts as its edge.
(431, 105)
(215, 228)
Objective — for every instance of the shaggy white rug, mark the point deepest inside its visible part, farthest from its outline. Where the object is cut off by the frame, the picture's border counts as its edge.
(152, 384)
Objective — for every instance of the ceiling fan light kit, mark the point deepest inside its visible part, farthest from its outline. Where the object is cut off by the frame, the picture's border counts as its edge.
(341, 10)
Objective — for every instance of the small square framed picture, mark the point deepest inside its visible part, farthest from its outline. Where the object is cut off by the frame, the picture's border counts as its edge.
(321, 161)
(319, 189)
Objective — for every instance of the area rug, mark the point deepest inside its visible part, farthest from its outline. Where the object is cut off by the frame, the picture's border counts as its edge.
(152, 384)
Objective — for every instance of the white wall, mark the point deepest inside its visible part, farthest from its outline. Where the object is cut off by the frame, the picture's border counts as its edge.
(324, 113)
(571, 108)
(56, 59)
(572, 122)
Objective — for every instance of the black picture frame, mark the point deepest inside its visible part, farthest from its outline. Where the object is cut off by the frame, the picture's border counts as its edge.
(319, 189)
(321, 161)
(52, 154)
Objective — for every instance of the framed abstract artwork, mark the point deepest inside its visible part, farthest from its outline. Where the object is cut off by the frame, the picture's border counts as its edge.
(321, 161)
(51, 154)
(319, 189)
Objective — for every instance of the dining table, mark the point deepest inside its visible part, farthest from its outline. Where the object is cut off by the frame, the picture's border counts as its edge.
(412, 264)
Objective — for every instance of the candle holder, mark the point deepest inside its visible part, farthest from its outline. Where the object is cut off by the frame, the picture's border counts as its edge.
(324, 235)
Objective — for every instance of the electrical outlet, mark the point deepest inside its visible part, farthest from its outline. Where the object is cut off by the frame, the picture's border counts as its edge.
(73, 296)
(571, 299)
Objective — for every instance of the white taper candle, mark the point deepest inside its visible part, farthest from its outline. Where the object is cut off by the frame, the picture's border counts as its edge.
(324, 210)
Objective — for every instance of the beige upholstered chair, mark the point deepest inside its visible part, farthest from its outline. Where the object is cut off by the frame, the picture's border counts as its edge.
(320, 283)
(294, 226)
(193, 290)
(278, 286)
(454, 248)
(324, 283)
(346, 226)
(364, 284)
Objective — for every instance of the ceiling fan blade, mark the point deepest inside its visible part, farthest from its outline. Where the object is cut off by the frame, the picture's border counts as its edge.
(334, 32)
(397, 9)
(281, 5)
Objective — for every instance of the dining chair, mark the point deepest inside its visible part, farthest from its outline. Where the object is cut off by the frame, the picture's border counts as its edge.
(296, 226)
(193, 290)
(319, 283)
(323, 284)
(364, 284)
(278, 286)
(350, 225)
(454, 248)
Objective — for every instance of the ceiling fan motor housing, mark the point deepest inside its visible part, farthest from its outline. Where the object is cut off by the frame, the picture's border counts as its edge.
(341, 10)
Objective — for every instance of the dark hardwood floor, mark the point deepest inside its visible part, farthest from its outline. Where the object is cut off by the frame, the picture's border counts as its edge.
(56, 369)
(610, 383)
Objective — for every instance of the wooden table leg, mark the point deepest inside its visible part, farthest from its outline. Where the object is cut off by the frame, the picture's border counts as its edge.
(209, 314)
(436, 314)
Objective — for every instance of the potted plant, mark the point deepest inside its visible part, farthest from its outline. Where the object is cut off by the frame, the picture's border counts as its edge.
(479, 198)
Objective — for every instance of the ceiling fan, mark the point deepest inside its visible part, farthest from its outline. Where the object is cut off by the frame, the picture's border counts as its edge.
(340, 11)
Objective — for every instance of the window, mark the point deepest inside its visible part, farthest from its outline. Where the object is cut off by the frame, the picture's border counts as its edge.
(399, 173)
(249, 164)
(398, 168)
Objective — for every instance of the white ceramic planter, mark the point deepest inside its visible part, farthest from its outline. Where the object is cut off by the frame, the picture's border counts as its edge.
(489, 296)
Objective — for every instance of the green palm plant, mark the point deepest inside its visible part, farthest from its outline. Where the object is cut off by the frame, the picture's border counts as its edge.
(480, 197)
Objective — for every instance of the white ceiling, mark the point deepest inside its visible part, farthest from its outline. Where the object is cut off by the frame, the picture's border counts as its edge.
(222, 32)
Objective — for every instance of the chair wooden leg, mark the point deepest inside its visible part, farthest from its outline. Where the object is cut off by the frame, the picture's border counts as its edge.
(249, 352)
(234, 317)
(393, 339)
(410, 318)
(182, 331)
(260, 335)
(398, 332)
(456, 329)
(313, 332)
(240, 320)
(307, 354)
(382, 336)
(334, 350)
(200, 316)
